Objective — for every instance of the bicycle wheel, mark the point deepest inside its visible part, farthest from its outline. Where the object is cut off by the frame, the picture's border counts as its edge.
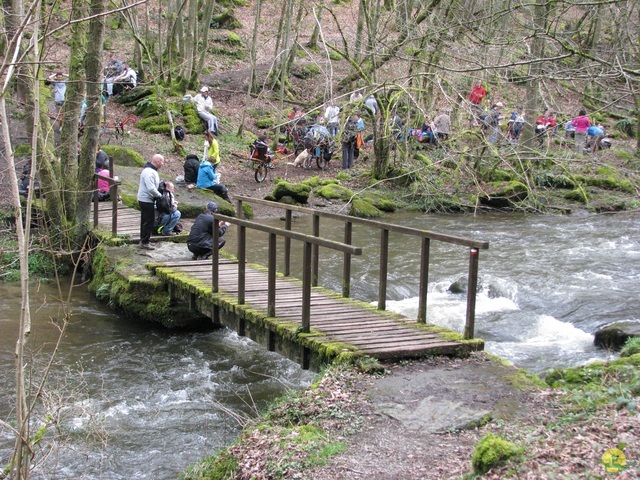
(322, 162)
(261, 173)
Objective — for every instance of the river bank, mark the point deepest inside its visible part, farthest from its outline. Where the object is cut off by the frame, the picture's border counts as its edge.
(424, 419)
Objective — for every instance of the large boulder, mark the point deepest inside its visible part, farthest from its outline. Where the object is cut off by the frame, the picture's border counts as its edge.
(614, 335)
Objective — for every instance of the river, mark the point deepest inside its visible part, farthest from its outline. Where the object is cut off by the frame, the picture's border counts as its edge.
(138, 401)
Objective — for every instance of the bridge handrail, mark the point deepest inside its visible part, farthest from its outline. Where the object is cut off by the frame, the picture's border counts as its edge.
(308, 240)
(483, 245)
(426, 236)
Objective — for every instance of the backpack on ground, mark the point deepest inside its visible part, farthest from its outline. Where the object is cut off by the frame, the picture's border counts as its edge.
(179, 132)
(191, 167)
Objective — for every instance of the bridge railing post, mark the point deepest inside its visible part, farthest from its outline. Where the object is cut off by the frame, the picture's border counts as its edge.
(346, 261)
(469, 328)
(424, 280)
(287, 243)
(215, 257)
(242, 263)
(384, 265)
(96, 220)
(271, 282)
(113, 191)
(315, 251)
(306, 288)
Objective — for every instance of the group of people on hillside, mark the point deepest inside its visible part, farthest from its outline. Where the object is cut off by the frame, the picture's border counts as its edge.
(587, 137)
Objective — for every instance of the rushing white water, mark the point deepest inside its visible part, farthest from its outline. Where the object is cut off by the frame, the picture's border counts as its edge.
(545, 283)
(137, 402)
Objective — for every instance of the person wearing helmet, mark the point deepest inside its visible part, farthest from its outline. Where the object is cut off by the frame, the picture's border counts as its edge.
(204, 106)
(200, 240)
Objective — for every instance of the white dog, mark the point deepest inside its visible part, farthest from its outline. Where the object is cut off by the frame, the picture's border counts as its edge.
(301, 159)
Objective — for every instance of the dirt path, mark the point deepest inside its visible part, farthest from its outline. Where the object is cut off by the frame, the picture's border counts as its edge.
(421, 418)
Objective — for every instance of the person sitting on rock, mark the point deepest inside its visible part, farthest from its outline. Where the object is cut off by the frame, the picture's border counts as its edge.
(200, 240)
(209, 180)
(168, 213)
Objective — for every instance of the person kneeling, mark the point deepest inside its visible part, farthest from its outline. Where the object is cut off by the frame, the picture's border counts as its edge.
(168, 213)
(200, 241)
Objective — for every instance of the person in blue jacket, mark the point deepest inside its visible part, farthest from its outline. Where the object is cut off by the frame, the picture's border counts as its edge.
(208, 180)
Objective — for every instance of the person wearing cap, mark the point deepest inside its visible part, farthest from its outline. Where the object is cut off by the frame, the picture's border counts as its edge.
(147, 195)
(200, 240)
(204, 105)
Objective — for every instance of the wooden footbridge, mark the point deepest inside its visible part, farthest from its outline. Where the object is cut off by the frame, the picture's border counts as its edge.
(294, 316)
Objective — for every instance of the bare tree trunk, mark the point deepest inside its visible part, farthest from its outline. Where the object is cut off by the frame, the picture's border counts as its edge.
(74, 95)
(93, 69)
(535, 69)
(313, 41)
(254, 48)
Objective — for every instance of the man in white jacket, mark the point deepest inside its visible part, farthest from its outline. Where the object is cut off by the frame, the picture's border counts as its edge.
(147, 195)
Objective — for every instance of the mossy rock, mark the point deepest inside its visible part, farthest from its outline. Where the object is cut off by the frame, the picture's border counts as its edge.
(133, 96)
(382, 202)
(152, 121)
(164, 129)
(315, 182)
(224, 207)
(123, 156)
(363, 209)
(225, 19)
(577, 195)
(307, 70)
(498, 175)
(490, 452)
(299, 192)
(130, 201)
(234, 39)
(334, 191)
(504, 194)
(401, 177)
(193, 124)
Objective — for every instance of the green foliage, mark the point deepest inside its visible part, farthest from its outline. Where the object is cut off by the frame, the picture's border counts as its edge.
(490, 452)
(548, 179)
(41, 263)
(265, 122)
(234, 39)
(149, 107)
(220, 466)
(631, 347)
(22, 150)
(627, 126)
(599, 383)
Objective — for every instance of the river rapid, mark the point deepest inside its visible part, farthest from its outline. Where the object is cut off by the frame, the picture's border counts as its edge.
(143, 403)
(546, 282)
(134, 402)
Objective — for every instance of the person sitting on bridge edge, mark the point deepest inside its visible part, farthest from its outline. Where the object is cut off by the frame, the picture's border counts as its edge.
(200, 240)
